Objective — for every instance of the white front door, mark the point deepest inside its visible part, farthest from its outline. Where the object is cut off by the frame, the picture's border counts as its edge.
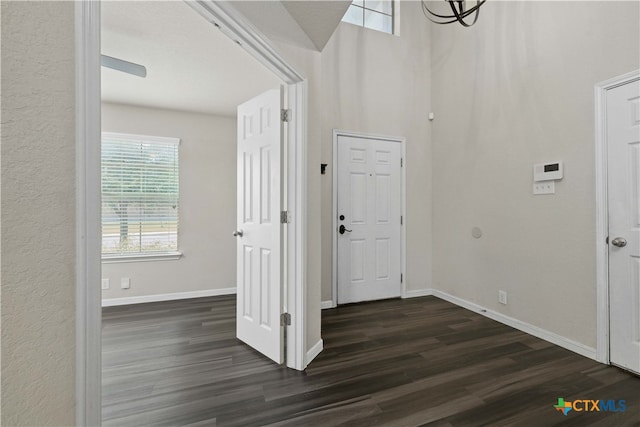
(259, 232)
(623, 138)
(369, 198)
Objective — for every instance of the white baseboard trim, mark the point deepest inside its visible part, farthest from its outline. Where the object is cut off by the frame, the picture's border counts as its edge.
(417, 293)
(110, 302)
(313, 352)
(327, 304)
(530, 329)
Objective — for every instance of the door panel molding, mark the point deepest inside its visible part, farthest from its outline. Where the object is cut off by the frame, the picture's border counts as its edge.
(403, 200)
(260, 245)
(602, 209)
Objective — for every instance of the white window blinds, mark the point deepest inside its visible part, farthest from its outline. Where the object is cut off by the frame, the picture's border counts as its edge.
(139, 195)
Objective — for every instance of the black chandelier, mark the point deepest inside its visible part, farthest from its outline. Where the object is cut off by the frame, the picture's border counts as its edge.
(459, 13)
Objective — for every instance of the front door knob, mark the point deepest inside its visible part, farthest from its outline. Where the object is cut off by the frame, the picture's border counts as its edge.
(620, 242)
(342, 229)
(238, 233)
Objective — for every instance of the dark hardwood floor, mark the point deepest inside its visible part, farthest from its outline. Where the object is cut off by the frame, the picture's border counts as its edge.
(411, 362)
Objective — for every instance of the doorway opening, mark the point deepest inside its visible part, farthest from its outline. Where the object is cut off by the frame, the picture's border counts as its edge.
(369, 221)
(88, 302)
(618, 220)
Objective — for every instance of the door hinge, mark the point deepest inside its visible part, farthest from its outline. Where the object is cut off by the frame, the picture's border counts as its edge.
(285, 115)
(401, 277)
(285, 319)
(401, 161)
(607, 240)
(285, 218)
(401, 219)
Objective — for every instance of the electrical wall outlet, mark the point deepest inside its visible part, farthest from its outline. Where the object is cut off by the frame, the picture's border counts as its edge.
(105, 284)
(125, 283)
(544, 187)
(502, 297)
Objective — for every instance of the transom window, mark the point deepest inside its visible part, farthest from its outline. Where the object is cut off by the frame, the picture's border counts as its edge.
(139, 195)
(377, 15)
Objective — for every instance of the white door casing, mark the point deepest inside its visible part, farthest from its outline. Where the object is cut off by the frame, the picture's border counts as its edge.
(88, 294)
(259, 231)
(623, 154)
(369, 196)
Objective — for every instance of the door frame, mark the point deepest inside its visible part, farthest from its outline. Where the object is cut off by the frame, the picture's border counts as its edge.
(88, 222)
(602, 209)
(403, 207)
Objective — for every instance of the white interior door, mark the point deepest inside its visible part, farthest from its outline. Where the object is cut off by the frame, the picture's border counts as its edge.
(623, 138)
(259, 234)
(369, 198)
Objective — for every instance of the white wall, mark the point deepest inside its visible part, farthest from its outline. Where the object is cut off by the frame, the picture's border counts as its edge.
(377, 83)
(207, 209)
(514, 90)
(38, 220)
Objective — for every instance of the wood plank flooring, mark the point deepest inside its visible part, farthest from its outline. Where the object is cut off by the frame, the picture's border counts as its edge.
(414, 362)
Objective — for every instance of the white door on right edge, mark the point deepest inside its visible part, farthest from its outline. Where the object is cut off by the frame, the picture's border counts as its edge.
(369, 197)
(623, 140)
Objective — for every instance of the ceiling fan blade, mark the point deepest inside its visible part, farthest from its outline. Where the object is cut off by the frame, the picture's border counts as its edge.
(122, 65)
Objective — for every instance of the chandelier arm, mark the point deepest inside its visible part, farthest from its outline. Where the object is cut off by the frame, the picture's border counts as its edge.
(441, 23)
(460, 17)
(425, 7)
(457, 16)
(468, 12)
(475, 18)
(473, 9)
(464, 14)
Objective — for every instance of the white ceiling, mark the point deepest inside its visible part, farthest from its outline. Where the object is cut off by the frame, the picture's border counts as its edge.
(273, 20)
(190, 64)
(305, 23)
(318, 19)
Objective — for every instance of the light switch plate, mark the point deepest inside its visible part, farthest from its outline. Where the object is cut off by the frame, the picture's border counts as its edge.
(105, 284)
(544, 187)
(125, 283)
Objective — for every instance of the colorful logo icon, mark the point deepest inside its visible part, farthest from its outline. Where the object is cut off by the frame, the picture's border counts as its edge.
(590, 405)
(563, 406)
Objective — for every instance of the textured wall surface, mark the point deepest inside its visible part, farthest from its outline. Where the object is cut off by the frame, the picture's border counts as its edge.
(38, 205)
(207, 211)
(506, 97)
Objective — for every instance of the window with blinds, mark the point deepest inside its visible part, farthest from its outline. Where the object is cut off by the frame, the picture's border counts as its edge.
(140, 194)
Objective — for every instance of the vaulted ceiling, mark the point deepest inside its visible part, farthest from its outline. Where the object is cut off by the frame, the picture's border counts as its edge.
(307, 24)
(318, 19)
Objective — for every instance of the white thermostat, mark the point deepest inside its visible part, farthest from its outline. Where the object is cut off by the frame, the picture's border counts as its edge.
(547, 171)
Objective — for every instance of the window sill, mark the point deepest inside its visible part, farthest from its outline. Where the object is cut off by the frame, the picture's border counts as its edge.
(167, 256)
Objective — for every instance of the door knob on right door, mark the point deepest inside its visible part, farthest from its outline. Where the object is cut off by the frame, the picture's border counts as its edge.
(620, 242)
